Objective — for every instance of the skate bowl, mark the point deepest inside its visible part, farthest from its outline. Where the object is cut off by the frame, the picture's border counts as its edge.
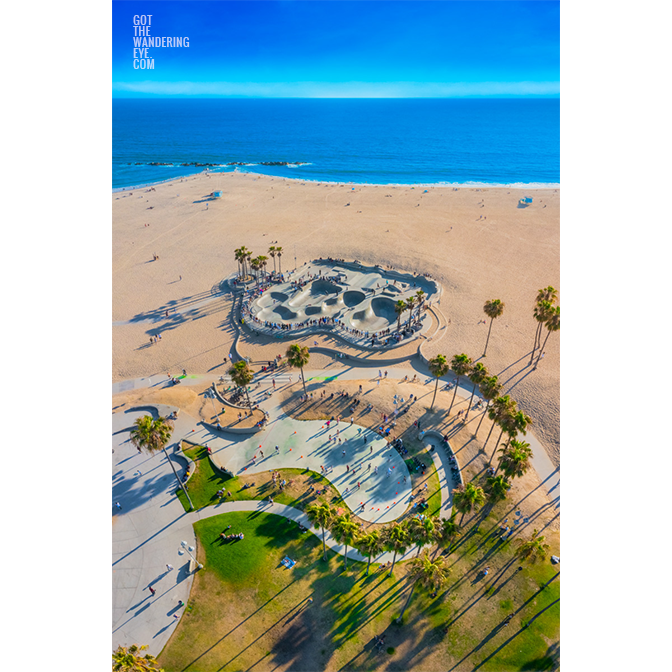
(359, 304)
(353, 298)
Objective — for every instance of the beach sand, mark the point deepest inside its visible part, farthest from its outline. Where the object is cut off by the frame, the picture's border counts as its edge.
(476, 242)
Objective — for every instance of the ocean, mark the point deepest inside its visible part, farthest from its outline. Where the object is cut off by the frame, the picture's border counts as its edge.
(488, 142)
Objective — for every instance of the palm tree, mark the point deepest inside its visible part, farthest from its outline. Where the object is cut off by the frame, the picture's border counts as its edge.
(152, 434)
(542, 311)
(548, 294)
(497, 488)
(242, 375)
(410, 304)
(422, 531)
(492, 309)
(255, 265)
(461, 366)
(430, 574)
(532, 550)
(297, 357)
(126, 660)
(262, 264)
(515, 460)
(490, 389)
(242, 254)
(236, 255)
(278, 251)
(507, 424)
(321, 515)
(399, 309)
(396, 538)
(447, 531)
(245, 256)
(520, 421)
(369, 544)
(420, 298)
(438, 367)
(500, 409)
(477, 375)
(248, 257)
(466, 498)
(345, 531)
(552, 324)
(271, 251)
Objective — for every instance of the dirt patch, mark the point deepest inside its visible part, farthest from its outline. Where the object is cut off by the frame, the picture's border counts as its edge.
(191, 400)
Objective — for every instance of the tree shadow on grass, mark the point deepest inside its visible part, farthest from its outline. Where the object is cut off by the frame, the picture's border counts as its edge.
(549, 662)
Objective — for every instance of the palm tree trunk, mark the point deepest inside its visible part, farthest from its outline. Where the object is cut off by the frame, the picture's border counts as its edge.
(536, 338)
(541, 349)
(280, 263)
(177, 478)
(368, 564)
(454, 393)
(473, 392)
(346, 556)
(303, 380)
(324, 546)
(485, 412)
(488, 339)
(492, 457)
(398, 322)
(401, 615)
(494, 422)
(436, 387)
(394, 559)
(247, 394)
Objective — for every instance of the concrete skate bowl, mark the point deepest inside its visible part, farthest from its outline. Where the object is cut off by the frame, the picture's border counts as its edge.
(323, 288)
(311, 311)
(269, 298)
(353, 298)
(318, 290)
(277, 314)
(378, 315)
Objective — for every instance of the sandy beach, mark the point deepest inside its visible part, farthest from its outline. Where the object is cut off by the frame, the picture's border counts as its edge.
(476, 242)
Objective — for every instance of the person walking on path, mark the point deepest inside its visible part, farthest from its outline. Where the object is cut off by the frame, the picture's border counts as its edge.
(347, 468)
(169, 568)
(118, 506)
(375, 469)
(152, 591)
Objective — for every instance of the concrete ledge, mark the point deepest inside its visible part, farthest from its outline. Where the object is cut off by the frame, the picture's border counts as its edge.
(233, 430)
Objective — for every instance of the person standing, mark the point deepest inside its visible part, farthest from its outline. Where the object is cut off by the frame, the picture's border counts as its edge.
(169, 568)
(152, 591)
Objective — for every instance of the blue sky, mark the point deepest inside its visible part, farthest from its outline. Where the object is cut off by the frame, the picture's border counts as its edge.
(342, 49)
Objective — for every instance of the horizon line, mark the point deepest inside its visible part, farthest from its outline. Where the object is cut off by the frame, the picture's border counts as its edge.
(509, 96)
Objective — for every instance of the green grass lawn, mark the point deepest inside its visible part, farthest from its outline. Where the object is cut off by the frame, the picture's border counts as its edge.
(247, 612)
(207, 480)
